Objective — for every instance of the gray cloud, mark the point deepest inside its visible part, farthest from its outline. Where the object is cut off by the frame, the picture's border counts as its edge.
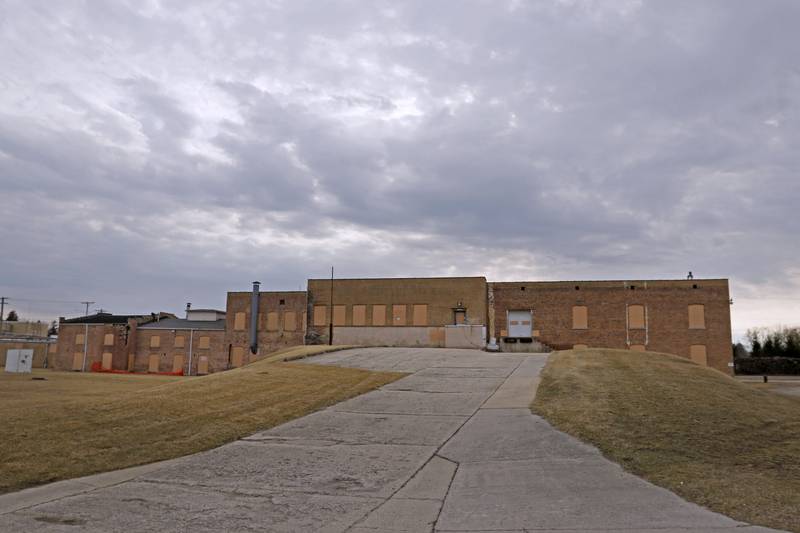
(152, 153)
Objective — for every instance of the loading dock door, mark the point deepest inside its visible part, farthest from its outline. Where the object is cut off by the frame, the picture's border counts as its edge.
(520, 324)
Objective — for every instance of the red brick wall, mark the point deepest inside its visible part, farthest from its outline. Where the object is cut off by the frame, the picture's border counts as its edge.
(268, 340)
(667, 311)
(66, 347)
(216, 352)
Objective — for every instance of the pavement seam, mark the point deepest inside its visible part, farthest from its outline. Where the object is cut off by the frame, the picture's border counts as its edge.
(435, 454)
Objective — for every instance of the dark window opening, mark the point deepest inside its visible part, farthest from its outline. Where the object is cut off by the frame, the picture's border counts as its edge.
(633, 287)
(577, 288)
(282, 302)
(522, 288)
(694, 286)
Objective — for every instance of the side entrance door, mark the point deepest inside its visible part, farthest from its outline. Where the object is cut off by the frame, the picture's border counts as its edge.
(520, 323)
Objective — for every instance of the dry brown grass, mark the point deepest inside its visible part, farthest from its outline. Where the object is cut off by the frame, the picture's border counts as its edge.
(77, 424)
(301, 352)
(712, 440)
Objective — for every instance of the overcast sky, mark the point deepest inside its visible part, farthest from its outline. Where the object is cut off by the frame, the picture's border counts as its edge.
(154, 153)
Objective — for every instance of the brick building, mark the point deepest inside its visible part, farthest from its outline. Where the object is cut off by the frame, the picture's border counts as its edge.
(690, 318)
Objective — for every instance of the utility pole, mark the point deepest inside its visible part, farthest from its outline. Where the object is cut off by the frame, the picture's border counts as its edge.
(85, 336)
(330, 325)
(2, 309)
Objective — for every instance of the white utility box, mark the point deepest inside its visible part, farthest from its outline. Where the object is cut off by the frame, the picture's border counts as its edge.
(19, 361)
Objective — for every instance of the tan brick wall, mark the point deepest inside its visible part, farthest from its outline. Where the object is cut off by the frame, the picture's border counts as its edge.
(397, 298)
(67, 347)
(273, 319)
(167, 351)
(667, 308)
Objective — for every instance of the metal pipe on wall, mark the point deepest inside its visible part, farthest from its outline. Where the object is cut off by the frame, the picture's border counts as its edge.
(254, 318)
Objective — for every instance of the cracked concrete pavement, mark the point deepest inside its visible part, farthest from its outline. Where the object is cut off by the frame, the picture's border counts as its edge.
(451, 447)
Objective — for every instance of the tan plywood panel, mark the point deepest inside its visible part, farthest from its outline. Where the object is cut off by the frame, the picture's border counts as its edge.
(239, 321)
(579, 347)
(636, 316)
(79, 338)
(272, 321)
(155, 341)
(638, 348)
(320, 312)
(339, 312)
(359, 315)
(697, 316)
(580, 317)
(202, 365)
(153, 363)
(177, 362)
(180, 341)
(77, 360)
(108, 339)
(52, 348)
(107, 358)
(399, 314)
(536, 333)
(237, 356)
(290, 321)
(461, 317)
(420, 315)
(204, 342)
(697, 353)
(378, 315)
(504, 333)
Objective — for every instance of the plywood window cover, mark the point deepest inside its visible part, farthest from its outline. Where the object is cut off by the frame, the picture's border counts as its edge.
(399, 314)
(320, 312)
(378, 315)
(697, 318)
(272, 321)
(108, 339)
(636, 317)
(180, 341)
(79, 338)
(699, 354)
(420, 315)
(580, 317)
(339, 315)
(239, 320)
(290, 321)
(359, 315)
(155, 341)
(204, 342)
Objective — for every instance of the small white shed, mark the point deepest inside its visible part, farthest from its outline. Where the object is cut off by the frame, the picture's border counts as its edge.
(19, 361)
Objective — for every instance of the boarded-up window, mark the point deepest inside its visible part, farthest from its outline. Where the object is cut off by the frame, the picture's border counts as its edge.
(107, 359)
(202, 365)
(359, 315)
(637, 347)
(155, 341)
(108, 339)
(697, 352)
(237, 356)
(290, 321)
(636, 317)
(378, 315)
(180, 341)
(177, 362)
(579, 346)
(153, 363)
(339, 315)
(461, 316)
(697, 317)
(420, 316)
(204, 342)
(79, 338)
(399, 315)
(77, 360)
(580, 317)
(320, 315)
(272, 321)
(239, 321)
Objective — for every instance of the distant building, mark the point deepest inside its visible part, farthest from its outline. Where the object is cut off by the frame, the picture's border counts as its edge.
(689, 318)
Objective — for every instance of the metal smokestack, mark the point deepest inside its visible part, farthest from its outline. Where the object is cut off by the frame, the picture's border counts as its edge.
(254, 318)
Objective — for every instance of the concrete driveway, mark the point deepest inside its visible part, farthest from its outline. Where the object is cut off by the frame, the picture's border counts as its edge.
(451, 447)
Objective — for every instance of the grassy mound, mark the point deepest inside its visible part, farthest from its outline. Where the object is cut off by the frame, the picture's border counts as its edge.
(701, 434)
(73, 424)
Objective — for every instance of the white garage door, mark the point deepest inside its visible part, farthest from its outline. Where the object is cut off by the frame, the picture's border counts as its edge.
(520, 323)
